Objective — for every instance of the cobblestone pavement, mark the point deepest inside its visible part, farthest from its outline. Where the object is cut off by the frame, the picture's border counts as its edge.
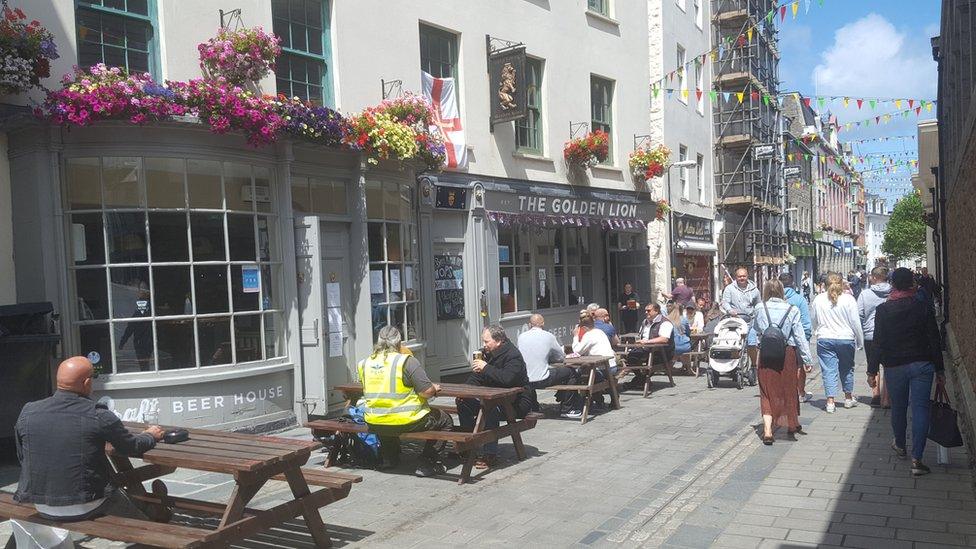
(683, 468)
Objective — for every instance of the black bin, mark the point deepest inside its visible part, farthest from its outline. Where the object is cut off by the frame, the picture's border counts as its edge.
(28, 347)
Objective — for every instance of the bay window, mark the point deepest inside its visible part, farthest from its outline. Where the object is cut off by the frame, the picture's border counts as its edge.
(393, 255)
(544, 268)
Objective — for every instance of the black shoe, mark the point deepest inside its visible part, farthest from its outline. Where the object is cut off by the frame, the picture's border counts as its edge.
(875, 401)
(900, 452)
(768, 441)
(430, 469)
(919, 468)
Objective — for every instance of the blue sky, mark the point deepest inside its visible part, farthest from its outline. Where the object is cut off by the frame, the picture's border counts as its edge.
(869, 48)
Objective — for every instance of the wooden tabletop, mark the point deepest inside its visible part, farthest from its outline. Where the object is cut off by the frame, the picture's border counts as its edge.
(459, 390)
(591, 361)
(225, 452)
(699, 336)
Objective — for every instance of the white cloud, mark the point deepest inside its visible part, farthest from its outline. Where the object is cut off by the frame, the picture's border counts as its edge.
(871, 58)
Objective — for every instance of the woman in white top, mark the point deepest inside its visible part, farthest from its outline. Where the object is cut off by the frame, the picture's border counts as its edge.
(837, 325)
(593, 342)
(695, 319)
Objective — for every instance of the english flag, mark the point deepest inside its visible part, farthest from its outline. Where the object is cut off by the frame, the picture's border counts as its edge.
(447, 119)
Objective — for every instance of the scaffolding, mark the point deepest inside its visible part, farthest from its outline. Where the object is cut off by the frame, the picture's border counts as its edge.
(749, 190)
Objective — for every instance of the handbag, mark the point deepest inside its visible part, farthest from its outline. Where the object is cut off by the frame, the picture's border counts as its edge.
(943, 425)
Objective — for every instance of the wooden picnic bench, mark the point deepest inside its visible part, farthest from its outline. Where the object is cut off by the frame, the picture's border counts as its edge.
(251, 460)
(466, 443)
(592, 387)
(651, 367)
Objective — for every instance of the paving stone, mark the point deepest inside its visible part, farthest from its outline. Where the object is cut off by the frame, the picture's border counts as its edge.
(814, 537)
(931, 537)
(863, 542)
(871, 520)
(862, 530)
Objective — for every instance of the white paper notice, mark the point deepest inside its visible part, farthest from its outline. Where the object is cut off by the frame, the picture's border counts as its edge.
(332, 294)
(335, 344)
(542, 287)
(335, 320)
(572, 283)
(505, 289)
(408, 273)
(376, 282)
(555, 255)
(542, 274)
(394, 280)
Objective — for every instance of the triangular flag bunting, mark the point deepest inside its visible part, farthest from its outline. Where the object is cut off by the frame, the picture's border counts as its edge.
(873, 103)
(754, 96)
(713, 95)
(740, 96)
(911, 103)
(796, 6)
(806, 101)
(749, 34)
(782, 14)
(897, 103)
(728, 96)
(859, 103)
(655, 90)
(847, 101)
(698, 94)
(821, 101)
(684, 94)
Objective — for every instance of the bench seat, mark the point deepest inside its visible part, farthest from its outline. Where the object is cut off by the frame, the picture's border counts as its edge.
(326, 479)
(112, 527)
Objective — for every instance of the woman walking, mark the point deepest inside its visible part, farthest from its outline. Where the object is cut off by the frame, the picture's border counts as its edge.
(837, 324)
(909, 346)
(778, 381)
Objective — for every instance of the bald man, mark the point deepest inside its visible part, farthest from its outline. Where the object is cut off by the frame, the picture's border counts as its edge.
(540, 348)
(602, 323)
(61, 447)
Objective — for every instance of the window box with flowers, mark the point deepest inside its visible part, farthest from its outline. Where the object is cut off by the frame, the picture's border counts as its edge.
(239, 56)
(26, 51)
(648, 162)
(587, 151)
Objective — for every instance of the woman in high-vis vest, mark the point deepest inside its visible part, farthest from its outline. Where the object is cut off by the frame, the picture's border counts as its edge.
(396, 389)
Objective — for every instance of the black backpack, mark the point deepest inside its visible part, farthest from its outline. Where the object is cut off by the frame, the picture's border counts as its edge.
(773, 343)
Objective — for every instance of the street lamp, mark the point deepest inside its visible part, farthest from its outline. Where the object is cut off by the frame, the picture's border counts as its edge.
(671, 258)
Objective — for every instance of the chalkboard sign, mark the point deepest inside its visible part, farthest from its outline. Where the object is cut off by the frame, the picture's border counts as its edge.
(448, 286)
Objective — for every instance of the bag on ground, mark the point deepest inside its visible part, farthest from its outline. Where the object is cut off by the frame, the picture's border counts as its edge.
(943, 424)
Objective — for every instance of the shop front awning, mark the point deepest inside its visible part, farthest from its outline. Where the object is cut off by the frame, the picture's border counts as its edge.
(685, 246)
(508, 219)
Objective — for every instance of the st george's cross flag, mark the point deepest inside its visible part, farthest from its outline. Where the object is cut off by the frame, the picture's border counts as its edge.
(447, 118)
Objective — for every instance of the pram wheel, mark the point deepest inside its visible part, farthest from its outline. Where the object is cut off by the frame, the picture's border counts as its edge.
(712, 376)
(739, 380)
(753, 376)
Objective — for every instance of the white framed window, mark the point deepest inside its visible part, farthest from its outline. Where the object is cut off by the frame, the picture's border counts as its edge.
(394, 276)
(699, 87)
(683, 173)
(700, 179)
(601, 7)
(174, 263)
(699, 14)
(680, 61)
(544, 268)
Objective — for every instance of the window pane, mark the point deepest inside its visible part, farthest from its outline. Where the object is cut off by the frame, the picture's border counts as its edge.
(272, 345)
(211, 289)
(300, 200)
(176, 346)
(584, 242)
(313, 14)
(130, 292)
(393, 244)
(328, 196)
(412, 322)
(87, 239)
(267, 238)
(126, 237)
(92, 294)
(505, 252)
(263, 190)
(409, 242)
(203, 183)
(83, 177)
(247, 337)
(378, 274)
(137, 6)
(243, 301)
(214, 339)
(395, 274)
(168, 236)
(134, 341)
(171, 291)
(95, 338)
(506, 281)
(164, 182)
(391, 201)
(113, 32)
(374, 200)
(298, 38)
(379, 317)
(240, 236)
(269, 297)
(586, 284)
(121, 177)
(558, 288)
(523, 288)
(237, 186)
(208, 236)
(375, 240)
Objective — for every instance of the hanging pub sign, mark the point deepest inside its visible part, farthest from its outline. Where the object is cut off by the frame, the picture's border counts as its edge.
(507, 84)
(688, 227)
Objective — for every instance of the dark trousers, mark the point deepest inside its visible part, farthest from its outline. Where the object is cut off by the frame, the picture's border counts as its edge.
(872, 353)
(468, 409)
(435, 420)
(557, 376)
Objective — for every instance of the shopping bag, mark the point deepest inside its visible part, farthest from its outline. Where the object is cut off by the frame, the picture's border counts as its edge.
(943, 427)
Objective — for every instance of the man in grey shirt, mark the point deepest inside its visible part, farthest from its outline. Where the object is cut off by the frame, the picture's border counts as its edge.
(540, 348)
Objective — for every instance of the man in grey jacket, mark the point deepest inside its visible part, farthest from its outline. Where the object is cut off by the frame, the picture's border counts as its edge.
(740, 299)
(867, 302)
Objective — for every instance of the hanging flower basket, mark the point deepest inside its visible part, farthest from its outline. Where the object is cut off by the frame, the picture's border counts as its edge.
(648, 162)
(239, 56)
(663, 209)
(397, 129)
(26, 51)
(587, 151)
(789, 259)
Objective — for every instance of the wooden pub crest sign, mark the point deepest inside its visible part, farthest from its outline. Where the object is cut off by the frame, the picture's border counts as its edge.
(507, 80)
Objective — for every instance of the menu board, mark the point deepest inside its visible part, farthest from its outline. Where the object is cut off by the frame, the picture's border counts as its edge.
(448, 286)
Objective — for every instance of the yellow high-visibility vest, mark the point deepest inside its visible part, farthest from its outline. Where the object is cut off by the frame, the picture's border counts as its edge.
(388, 400)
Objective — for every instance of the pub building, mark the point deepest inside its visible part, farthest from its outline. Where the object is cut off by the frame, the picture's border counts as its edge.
(694, 254)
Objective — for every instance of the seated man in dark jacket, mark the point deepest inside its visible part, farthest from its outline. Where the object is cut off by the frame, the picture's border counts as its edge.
(61, 447)
(502, 366)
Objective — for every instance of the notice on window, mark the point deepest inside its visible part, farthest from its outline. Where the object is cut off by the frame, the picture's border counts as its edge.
(335, 344)
(572, 283)
(506, 290)
(376, 282)
(250, 279)
(394, 280)
(542, 274)
(542, 287)
(555, 255)
(408, 274)
(335, 320)
(332, 294)
(504, 254)
(449, 286)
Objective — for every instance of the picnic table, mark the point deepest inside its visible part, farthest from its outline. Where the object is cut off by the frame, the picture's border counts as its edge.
(251, 460)
(649, 368)
(698, 352)
(466, 443)
(592, 364)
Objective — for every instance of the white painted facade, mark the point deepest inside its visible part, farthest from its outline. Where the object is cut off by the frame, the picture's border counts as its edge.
(924, 181)
(679, 32)
(876, 221)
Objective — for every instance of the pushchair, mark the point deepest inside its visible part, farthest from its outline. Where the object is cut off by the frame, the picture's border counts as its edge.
(727, 356)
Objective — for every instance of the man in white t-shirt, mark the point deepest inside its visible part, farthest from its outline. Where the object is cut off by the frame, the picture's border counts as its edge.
(539, 349)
